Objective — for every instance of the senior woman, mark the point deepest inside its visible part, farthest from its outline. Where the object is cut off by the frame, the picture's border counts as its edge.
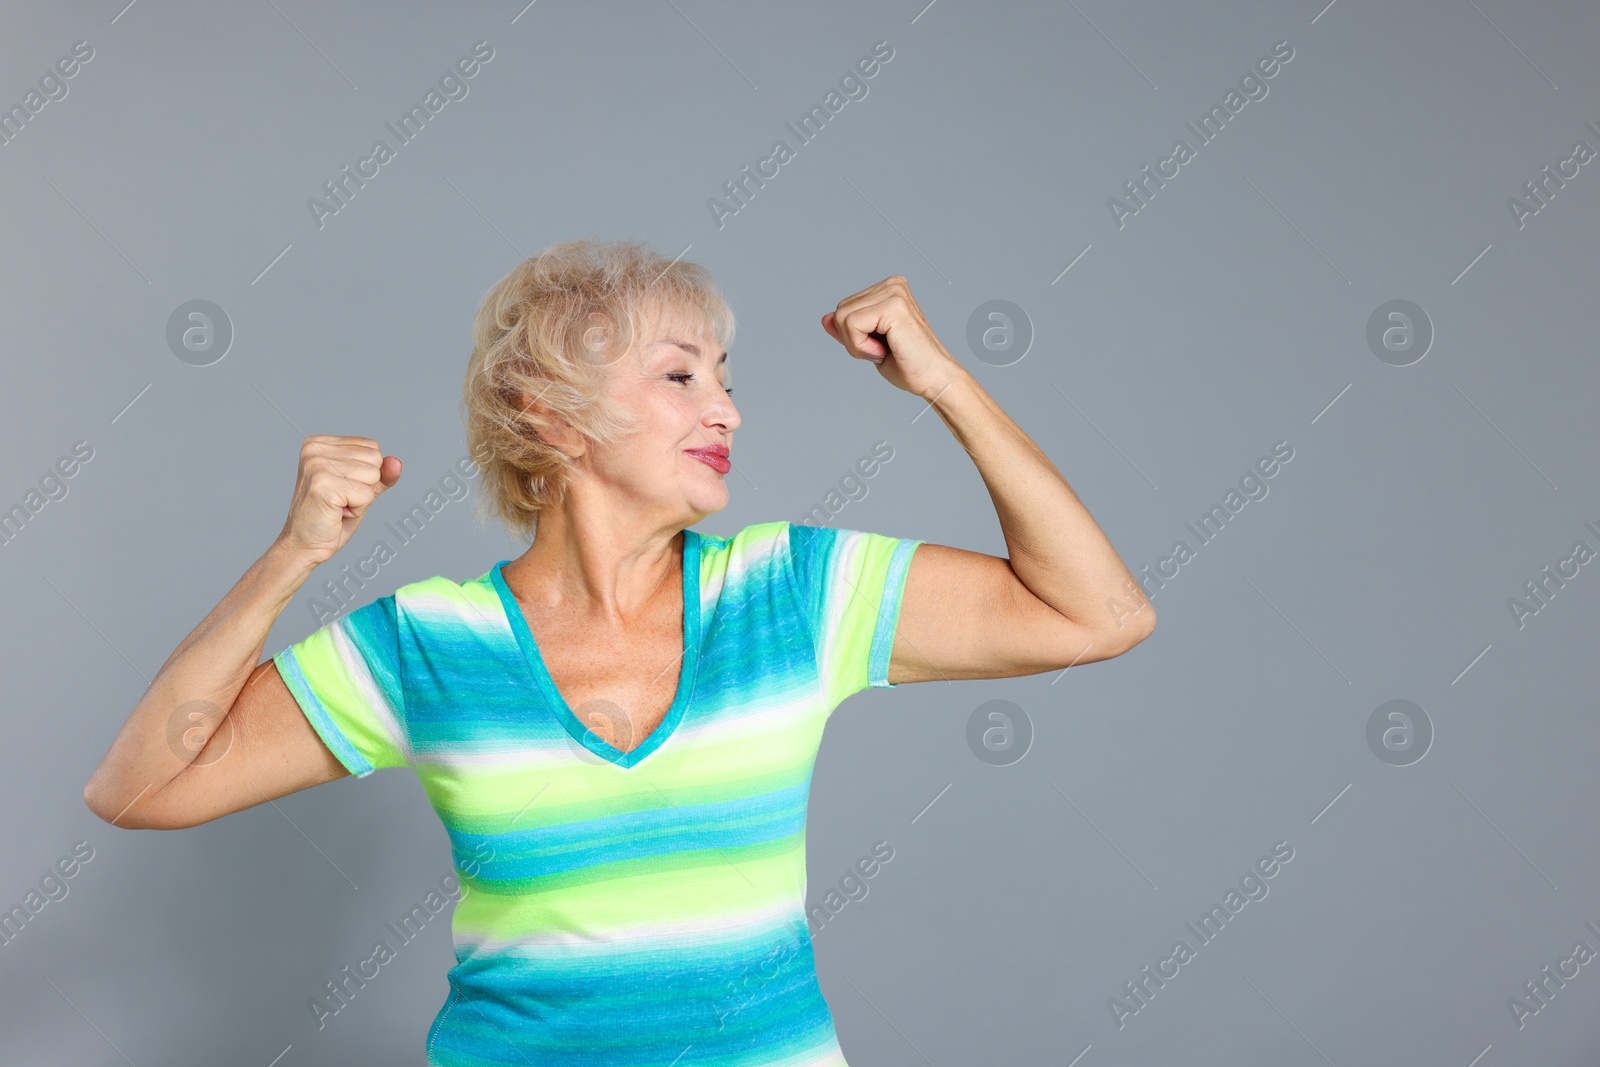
(617, 728)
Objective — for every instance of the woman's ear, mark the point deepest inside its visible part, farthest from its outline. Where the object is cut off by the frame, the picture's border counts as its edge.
(565, 440)
(557, 433)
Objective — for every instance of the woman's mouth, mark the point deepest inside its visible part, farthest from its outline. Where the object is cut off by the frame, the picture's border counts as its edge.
(713, 456)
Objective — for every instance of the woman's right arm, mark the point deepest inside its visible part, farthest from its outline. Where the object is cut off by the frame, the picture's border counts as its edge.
(217, 731)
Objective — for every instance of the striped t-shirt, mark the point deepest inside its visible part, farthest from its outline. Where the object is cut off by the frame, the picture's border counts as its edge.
(643, 907)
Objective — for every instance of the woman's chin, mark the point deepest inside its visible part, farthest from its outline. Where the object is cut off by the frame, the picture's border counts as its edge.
(708, 501)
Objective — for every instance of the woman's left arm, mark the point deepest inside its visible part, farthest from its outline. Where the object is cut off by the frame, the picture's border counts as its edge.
(1064, 596)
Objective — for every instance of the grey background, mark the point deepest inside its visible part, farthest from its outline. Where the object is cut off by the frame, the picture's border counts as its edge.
(1229, 314)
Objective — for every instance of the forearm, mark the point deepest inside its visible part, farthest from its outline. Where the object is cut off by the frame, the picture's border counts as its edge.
(194, 689)
(1056, 548)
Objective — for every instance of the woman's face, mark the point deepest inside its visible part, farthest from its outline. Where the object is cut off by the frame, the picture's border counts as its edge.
(676, 383)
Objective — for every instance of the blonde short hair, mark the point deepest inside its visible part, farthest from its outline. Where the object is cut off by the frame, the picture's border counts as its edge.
(547, 332)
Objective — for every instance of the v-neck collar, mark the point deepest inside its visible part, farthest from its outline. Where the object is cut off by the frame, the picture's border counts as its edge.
(534, 661)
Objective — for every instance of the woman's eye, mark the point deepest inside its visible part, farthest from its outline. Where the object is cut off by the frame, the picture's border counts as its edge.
(685, 376)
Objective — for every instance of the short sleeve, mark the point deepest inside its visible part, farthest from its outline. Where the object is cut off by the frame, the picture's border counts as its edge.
(346, 679)
(852, 583)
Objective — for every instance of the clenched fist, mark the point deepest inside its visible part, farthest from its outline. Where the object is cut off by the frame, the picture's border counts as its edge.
(883, 324)
(339, 478)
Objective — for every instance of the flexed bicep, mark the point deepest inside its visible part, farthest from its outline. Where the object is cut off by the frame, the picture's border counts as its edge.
(967, 615)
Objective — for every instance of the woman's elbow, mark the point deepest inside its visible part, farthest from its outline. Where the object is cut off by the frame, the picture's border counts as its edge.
(95, 799)
(1132, 631)
(118, 811)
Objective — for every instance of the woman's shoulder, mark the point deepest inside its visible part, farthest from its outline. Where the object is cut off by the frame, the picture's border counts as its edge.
(802, 541)
(759, 540)
(442, 592)
(752, 534)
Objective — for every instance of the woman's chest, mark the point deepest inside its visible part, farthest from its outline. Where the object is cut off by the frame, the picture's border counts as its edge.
(483, 699)
(619, 686)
